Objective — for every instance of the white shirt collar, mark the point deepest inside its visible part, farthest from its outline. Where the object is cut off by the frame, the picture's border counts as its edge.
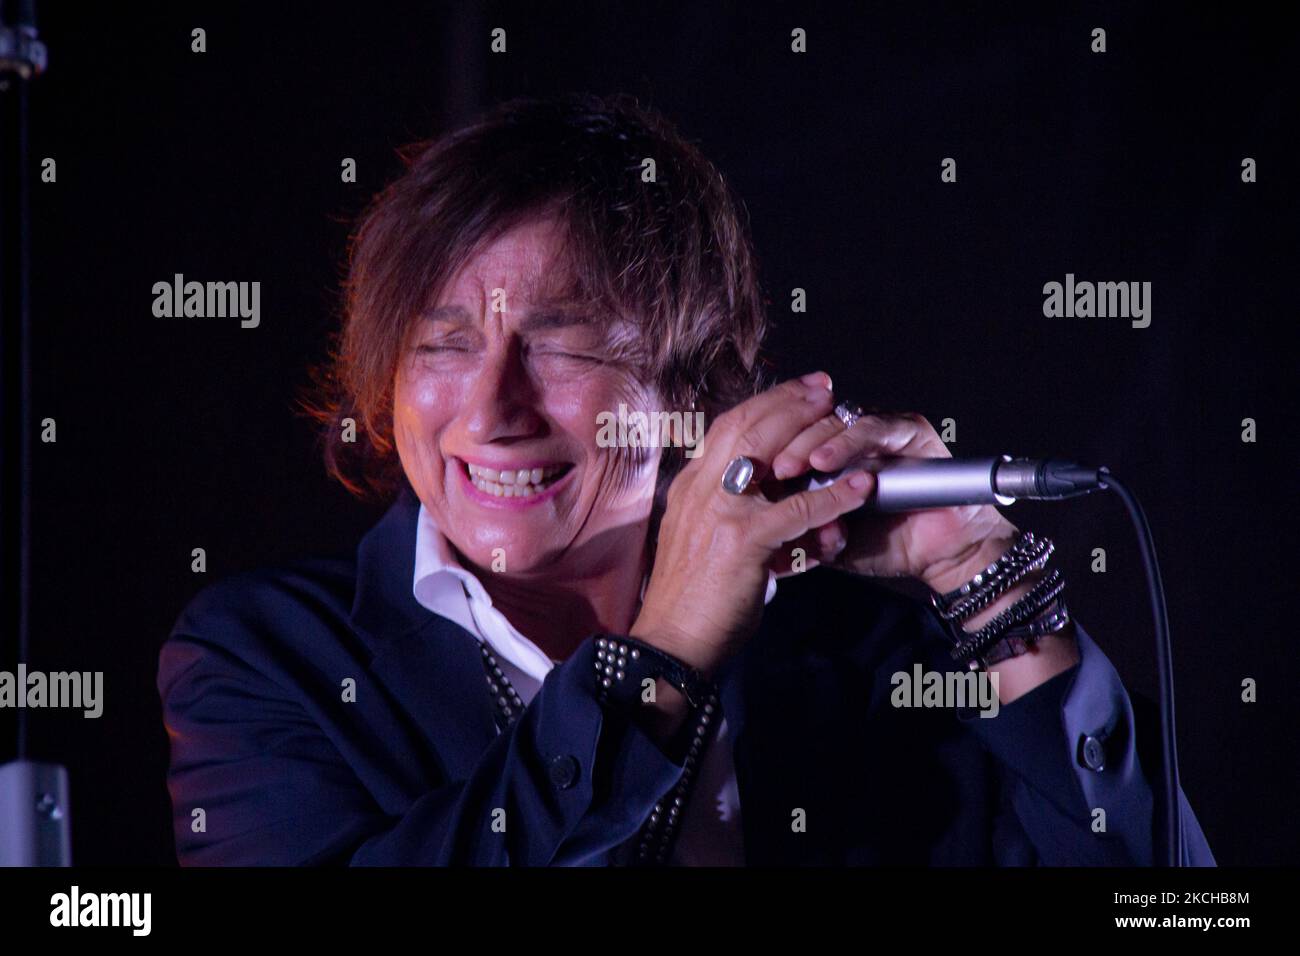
(443, 585)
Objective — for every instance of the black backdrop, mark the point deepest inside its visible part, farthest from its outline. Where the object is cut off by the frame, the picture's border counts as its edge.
(178, 433)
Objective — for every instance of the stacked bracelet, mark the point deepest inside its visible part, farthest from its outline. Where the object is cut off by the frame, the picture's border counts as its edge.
(1018, 640)
(1043, 595)
(1013, 631)
(1026, 556)
(1007, 579)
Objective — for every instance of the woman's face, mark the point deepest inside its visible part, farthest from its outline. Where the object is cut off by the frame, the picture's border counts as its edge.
(495, 417)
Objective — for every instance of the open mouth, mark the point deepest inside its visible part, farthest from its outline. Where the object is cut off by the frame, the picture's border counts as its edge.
(515, 483)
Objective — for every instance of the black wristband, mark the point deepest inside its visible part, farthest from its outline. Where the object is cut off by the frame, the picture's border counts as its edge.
(624, 663)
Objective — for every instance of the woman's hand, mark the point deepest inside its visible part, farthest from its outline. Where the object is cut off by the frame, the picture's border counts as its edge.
(942, 547)
(705, 594)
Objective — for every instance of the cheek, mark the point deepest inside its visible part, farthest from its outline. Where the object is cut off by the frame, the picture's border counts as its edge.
(578, 405)
(421, 408)
(430, 397)
(583, 406)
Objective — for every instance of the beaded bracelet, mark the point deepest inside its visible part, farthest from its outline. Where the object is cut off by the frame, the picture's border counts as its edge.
(1027, 554)
(1019, 540)
(1031, 605)
(1000, 585)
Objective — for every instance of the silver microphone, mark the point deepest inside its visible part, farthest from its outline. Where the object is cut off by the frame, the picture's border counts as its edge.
(915, 484)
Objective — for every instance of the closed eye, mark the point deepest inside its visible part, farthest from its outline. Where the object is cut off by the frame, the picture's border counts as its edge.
(572, 355)
(566, 355)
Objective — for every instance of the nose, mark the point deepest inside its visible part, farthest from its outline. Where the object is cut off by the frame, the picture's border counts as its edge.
(502, 404)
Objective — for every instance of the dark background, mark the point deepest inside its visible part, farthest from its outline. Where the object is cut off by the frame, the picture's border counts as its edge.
(179, 433)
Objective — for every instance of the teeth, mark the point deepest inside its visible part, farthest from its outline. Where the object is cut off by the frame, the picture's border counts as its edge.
(520, 483)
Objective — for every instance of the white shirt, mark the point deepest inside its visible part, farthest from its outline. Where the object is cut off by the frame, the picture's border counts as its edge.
(710, 832)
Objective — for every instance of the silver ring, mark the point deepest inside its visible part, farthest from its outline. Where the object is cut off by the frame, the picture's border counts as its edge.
(849, 413)
(737, 476)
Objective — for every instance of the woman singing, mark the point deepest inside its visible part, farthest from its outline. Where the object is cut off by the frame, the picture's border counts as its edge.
(555, 649)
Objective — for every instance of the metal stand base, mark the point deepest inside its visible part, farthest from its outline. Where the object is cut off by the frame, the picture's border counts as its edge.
(34, 822)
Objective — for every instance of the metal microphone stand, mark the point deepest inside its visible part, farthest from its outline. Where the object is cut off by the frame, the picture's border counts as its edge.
(34, 821)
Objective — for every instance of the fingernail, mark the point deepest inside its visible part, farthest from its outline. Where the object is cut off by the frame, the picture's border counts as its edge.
(820, 379)
(859, 480)
(815, 394)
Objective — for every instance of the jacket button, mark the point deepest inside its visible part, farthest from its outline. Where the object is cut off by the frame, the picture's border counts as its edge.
(1092, 753)
(563, 771)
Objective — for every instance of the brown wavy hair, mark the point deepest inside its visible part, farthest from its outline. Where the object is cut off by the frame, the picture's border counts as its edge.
(673, 257)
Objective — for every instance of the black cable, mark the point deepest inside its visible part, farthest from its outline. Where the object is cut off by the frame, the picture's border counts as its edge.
(1173, 850)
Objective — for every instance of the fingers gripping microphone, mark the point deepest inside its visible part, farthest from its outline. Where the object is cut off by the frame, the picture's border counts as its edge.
(914, 484)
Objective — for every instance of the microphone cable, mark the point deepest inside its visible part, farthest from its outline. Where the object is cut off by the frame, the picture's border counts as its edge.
(1173, 834)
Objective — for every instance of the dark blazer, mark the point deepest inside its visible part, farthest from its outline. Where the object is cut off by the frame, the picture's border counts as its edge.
(270, 764)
